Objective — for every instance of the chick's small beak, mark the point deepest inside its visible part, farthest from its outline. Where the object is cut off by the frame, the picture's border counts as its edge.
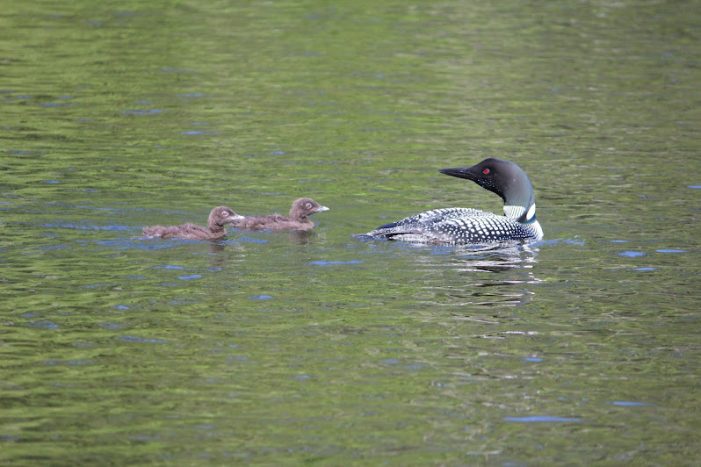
(321, 209)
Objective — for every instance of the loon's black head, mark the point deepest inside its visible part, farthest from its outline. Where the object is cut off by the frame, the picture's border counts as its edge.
(507, 180)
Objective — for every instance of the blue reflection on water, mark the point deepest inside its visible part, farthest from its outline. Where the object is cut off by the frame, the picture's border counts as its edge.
(142, 340)
(630, 404)
(631, 254)
(142, 112)
(44, 324)
(261, 297)
(69, 225)
(543, 419)
(323, 262)
(190, 277)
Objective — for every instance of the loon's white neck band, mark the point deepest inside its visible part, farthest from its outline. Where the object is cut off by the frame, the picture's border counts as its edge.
(515, 212)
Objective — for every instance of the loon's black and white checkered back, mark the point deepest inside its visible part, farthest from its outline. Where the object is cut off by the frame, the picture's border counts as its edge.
(457, 226)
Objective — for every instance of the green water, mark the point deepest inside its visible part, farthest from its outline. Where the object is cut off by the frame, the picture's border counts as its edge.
(275, 348)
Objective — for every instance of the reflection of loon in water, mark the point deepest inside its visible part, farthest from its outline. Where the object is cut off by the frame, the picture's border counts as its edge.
(507, 276)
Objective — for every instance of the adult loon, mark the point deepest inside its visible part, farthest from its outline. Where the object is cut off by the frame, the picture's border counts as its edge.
(455, 226)
(298, 219)
(218, 218)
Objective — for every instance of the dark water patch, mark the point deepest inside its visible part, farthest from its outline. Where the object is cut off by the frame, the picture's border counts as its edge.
(174, 69)
(543, 419)
(61, 246)
(135, 277)
(278, 153)
(22, 152)
(112, 326)
(630, 404)
(631, 254)
(70, 362)
(334, 263)
(52, 182)
(50, 105)
(142, 112)
(142, 340)
(44, 324)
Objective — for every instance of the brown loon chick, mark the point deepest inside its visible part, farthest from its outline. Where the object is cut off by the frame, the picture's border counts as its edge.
(298, 219)
(218, 218)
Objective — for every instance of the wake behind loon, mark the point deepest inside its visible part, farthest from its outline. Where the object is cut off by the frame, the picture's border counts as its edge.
(458, 226)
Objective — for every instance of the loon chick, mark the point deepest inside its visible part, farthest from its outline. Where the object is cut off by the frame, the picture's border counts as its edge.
(455, 226)
(218, 218)
(298, 219)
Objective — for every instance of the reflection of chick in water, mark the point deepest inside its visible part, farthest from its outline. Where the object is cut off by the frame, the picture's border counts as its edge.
(298, 219)
(218, 218)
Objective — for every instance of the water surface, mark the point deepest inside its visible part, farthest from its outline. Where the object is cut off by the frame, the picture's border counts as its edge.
(273, 348)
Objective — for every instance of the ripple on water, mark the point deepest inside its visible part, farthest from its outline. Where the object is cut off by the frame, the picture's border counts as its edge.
(631, 254)
(670, 250)
(142, 112)
(543, 419)
(69, 225)
(252, 240)
(323, 262)
(142, 340)
(190, 277)
(630, 404)
(261, 297)
(44, 324)
(645, 269)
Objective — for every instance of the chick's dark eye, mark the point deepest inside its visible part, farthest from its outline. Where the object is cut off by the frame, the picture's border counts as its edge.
(308, 205)
(486, 171)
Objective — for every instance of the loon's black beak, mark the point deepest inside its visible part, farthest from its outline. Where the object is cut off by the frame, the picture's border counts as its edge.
(462, 172)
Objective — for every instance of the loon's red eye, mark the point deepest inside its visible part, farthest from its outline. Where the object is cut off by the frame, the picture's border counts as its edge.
(486, 171)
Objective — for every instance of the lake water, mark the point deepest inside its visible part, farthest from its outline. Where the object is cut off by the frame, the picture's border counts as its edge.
(276, 348)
